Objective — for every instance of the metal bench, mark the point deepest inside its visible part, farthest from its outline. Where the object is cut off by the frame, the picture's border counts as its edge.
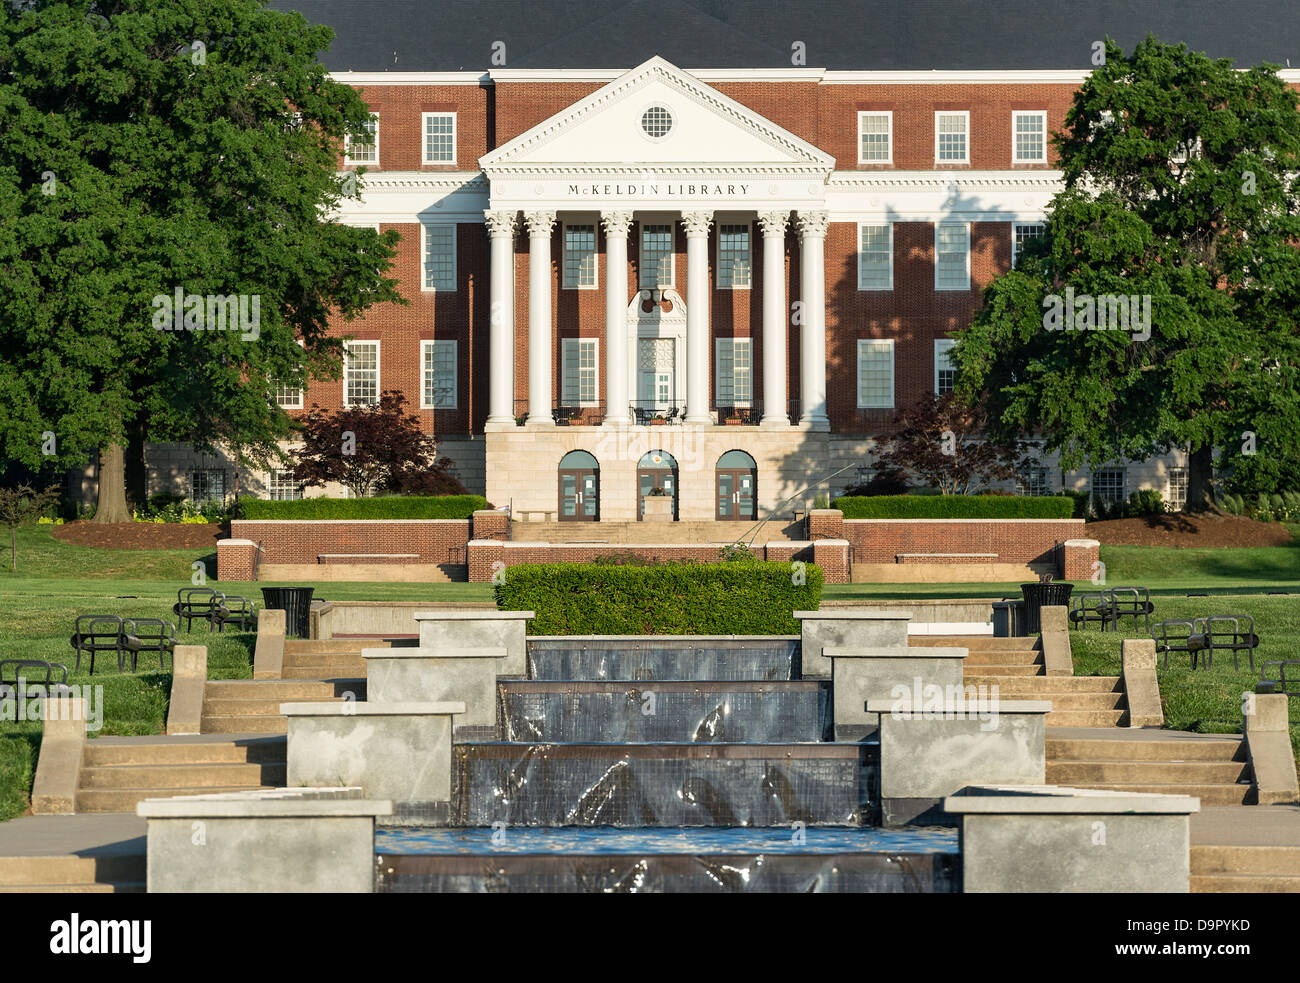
(194, 603)
(94, 633)
(231, 609)
(1107, 606)
(1223, 632)
(1280, 681)
(10, 688)
(148, 635)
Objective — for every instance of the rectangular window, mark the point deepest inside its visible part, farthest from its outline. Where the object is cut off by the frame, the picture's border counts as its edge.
(1032, 482)
(579, 257)
(952, 256)
(951, 145)
(282, 486)
(945, 372)
(876, 257)
(439, 375)
(1020, 233)
(439, 257)
(875, 373)
(733, 256)
(207, 485)
(656, 256)
(360, 373)
(1177, 492)
(875, 137)
(1029, 137)
(580, 382)
(1108, 485)
(288, 397)
(363, 152)
(734, 383)
(440, 138)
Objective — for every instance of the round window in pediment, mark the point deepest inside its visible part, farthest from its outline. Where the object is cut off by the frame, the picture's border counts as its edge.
(656, 122)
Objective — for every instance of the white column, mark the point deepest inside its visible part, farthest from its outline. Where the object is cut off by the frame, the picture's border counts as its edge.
(697, 315)
(616, 300)
(812, 333)
(501, 334)
(539, 318)
(774, 319)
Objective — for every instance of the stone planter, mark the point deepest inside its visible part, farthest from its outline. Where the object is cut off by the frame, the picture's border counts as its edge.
(861, 675)
(461, 629)
(658, 508)
(426, 675)
(848, 628)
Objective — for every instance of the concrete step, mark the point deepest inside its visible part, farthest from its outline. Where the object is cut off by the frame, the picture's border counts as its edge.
(976, 642)
(245, 724)
(164, 752)
(1030, 670)
(1085, 718)
(1272, 861)
(1033, 684)
(191, 776)
(350, 670)
(297, 647)
(268, 689)
(1158, 772)
(1002, 657)
(614, 533)
(1071, 701)
(115, 887)
(267, 707)
(1244, 884)
(126, 799)
(351, 657)
(1215, 794)
(1102, 749)
(69, 871)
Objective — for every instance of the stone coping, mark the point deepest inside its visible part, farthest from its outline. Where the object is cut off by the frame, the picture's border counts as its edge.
(1061, 800)
(353, 708)
(856, 614)
(1082, 543)
(889, 706)
(286, 803)
(661, 638)
(322, 522)
(897, 652)
(474, 615)
(235, 542)
(1071, 519)
(410, 652)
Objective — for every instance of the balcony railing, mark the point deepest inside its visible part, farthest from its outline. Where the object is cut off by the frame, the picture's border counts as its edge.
(587, 415)
(647, 413)
(751, 414)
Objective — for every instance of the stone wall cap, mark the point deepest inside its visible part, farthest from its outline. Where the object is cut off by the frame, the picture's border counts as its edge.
(235, 542)
(825, 512)
(896, 652)
(355, 708)
(1058, 800)
(1082, 521)
(856, 614)
(831, 542)
(1001, 706)
(335, 522)
(685, 639)
(471, 615)
(287, 803)
(416, 652)
(1083, 543)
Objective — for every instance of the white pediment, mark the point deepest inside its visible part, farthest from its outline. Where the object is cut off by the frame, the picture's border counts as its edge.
(605, 133)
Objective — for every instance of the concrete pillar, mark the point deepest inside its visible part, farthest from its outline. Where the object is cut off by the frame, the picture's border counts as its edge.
(774, 319)
(540, 225)
(697, 316)
(501, 343)
(812, 334)
(616, 300)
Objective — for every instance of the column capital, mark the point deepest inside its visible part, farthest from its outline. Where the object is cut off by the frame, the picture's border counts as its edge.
(616, 223)
(773, 223)
(499, 223)
(697, 223)
(540, 224)
(812, 225)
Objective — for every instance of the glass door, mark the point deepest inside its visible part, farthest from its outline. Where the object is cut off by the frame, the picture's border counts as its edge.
(579, 495)
(736, 495)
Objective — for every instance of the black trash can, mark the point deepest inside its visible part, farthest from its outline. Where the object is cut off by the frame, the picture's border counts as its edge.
(295, 602)
(1008, 618)
(1039, 595)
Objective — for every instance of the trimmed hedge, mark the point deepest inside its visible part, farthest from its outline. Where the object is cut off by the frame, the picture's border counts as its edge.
(955, 507)
(736, 598)
(387, 507)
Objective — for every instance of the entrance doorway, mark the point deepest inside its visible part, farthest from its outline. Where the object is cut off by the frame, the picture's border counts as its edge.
(737, 487)
(656, 478)
(579, 475)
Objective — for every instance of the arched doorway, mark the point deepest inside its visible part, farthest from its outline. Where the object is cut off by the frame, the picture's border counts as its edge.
(737, 487)
(656, 477)
(579, 487)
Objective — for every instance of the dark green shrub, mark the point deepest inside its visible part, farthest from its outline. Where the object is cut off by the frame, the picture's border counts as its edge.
(388, 507)
(744, 598)
(1146, 501)
(955, 507)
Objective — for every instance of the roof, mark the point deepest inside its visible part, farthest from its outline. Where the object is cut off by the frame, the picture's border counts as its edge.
(840, 35)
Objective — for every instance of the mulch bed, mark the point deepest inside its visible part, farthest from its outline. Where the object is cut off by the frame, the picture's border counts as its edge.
(141, 535)
(1188, 530)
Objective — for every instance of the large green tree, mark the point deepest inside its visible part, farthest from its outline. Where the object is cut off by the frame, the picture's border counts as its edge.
(155, 146)
(1179, 185)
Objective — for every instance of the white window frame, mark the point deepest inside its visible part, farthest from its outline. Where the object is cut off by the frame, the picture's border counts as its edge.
(889, 135)
(1024, 487)
(271, 486)
(431, 345)
(866, 344)
(297, 405)
(347, 147)
(595, 257)
(1123, 487)
(730, 345)
(749, 269)
(1015, 115)
(861, 269)
(347, 347)
(671, 280)
(206, 471)
(1180, 503)
(951, 112)
(567, 345)
(1041, 226)
(942, 346)
(424, 137)
(956, 225)
(425, 286)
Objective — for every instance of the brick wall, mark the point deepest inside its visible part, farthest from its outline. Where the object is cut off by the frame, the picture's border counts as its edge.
(287, 541)
(491, 524)
(1079, 559)
(1013, 540)
(236, 559)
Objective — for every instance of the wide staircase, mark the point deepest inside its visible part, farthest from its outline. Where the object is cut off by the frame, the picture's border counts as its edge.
(1212, 767)
(70, 874)
(616, 533)
(1245, 869)
(1015, 666)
